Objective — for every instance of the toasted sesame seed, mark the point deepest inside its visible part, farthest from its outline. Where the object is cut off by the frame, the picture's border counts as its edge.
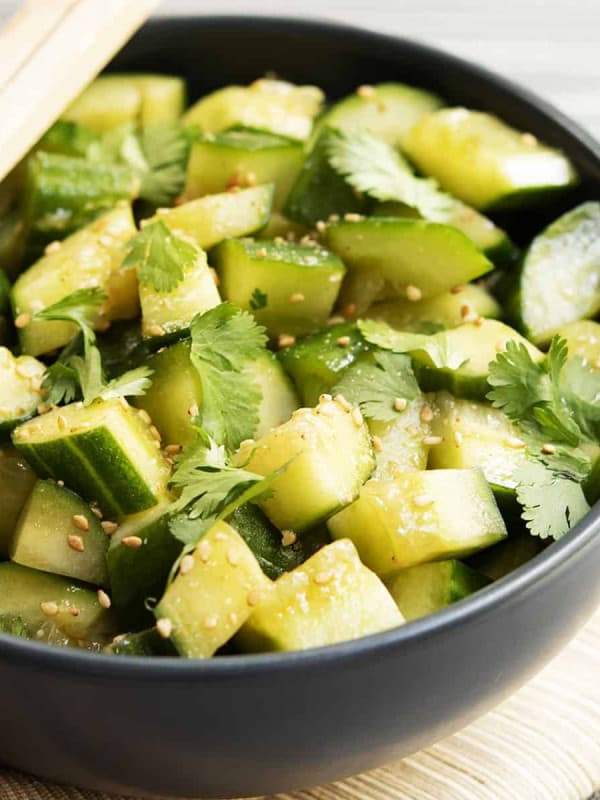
(253, 597)
(466, 310)
(343, 341)
(193, 410)
(220, 536)
(321, 578)
(154, 433)
(233, 557)
(23, 320)
(145, 416)
(365, 91)
(426, 413)
(62, 422)
(104, 599)
(478, 321)
(431, 441)
(109, 527)
(232, 617)
(357, 417)
(288, 538)
(336, 319)
(164, 626)
(413, 293)
(132, 541)
(529, 139)
(53, 247)
(211, 622)
(422, 500)
(458, 289)
(156, 330)
(75, 542)
(458, 438)
(377, 444)
(187, 563)
(60, 482)
(262, 252)
(514, 441)
(400, 404)
(320, 225)
(49, 608)
(81, 522)
(549, 449)
(203, 550)
(342, 402)
(285, 340)
(74, 611)
(352, 217)
(173, 449)
(333, 218)
(96, 511)
(297, 297)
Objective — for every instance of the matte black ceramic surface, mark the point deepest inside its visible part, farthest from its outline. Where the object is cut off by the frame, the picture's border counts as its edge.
(251, 725)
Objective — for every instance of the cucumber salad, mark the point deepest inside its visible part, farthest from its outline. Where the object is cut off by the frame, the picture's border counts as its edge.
(277, 373)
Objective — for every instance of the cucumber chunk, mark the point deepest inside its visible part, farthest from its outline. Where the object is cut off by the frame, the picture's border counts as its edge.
(143, 643)
(211, 601)
(242, 158)
(484, 162)
(16, 482)
(139, 573)
(97, 253)
(54, 609)
(300, 282)
(329, 475)
(389, 256)
(386, 110)
(419, 517)
(105, 452)
(560, 277)
(316, 362)
(42, 540)
(583, 340)
(426, 588)
(267, 105)
(20, 388)
(211, 219)
(402, 443)
(331, 598)
(446, 310)
(141, 99)
(279, 398)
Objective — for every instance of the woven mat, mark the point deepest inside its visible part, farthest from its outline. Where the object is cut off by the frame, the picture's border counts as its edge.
(542, 744)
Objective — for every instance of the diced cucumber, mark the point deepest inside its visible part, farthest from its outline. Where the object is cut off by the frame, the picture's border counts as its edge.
(426, 588)
(266, 105)
(20, 388)
(322, 475)
(402, 443)
(143, 643)
(506, 556)
(67, 138)
(242, 158)
(54, 609)
(266, 541)
(211, 219)
(279, 398)
(476, 344)
(301, 282)
(62, 194)
(419, 517)
(16, 482)
(446, 310)
(386, 110)
(139, 573)
(391, 256)
(316, 362)
(105, 452)
(166, 314)
(58, 532)
(208, 603)
(90, 257)
(583, 340)
(280, 226)
(319, 191)
(331, 598)
(483, 161)
(560, 277)
(12, 243)
(114, 100)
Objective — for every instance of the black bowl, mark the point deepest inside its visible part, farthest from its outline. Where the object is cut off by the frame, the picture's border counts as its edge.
(241, 725)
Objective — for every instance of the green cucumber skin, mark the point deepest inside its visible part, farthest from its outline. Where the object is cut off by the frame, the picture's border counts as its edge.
(434, 379)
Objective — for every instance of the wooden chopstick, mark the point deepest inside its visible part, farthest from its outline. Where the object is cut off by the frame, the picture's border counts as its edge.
(49, 51)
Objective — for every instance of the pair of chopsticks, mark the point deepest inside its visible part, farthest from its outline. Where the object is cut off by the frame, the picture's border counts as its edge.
(49, 51)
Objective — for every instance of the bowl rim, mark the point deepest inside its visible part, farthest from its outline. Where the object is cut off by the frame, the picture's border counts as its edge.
(541, 567)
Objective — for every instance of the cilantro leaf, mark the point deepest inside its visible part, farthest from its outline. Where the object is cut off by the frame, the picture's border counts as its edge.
(159, 256)
(518, 382)
(80, 307)
(60, 384)
(225, 340)
(258, 300)
(375, 386)
(133, 383)
(580, 388)
(435, 345)
(372, 166)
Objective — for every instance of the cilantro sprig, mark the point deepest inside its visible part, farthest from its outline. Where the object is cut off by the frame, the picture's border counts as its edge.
(435, 345)
(159, 256)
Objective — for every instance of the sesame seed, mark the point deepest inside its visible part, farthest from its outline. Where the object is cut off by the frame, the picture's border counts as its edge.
(123, 403)
(193, 410)
(262, 252)
(187, 563)
(23, 320)
(377, 444)
(431, 441)
(154, 433)
(288, 538)
(465, 310)
(62, 422)
(321, 225)
(342, 402)
(211, 622)
(325, 398)
(422, 500)
(297, 297)
(106, 241)
(96, 511)
(173, 449)
(253, 597)
(365, 91)
(156, 330)
(81, 522)
(343, 341)
(53, 247)
(321, 578)
(529, 139)
(426, 413)
(413, 293)
(233, 557)
(132, 541)
(352, 217)
(164, 626)
(458, 289)
(357, 417)
(514, 441)
(548, 448)
(74, 611)
(60, 482)
(75, 542)
(478, 321)
(145, 416)
(203, 550)
(49, 608)
(458, 438)
(232, 617)
(285, 340)
(400, 404)
(336, 319)
(109, 527)
(104, 599)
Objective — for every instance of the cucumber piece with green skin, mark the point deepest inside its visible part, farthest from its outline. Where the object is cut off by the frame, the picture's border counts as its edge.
(386, 110)
(319, 191)
(267, 105)
(242, 158)
(426, 588)
(476, 344)
(560, 276)
(42, 538)
(105, 452)
(47, 603)
(583, 340)
(16, 482)
(316, 362)
(506, 556)
(207, 604)
(484, 162)
(141, 99)
(142, 643)
(213, 218)
(168, 315)
(446, 310)
(419, 517)
(391, 256)
(331, 598)
(20, 388)
(97, 253)
(309, 444)
(139, 573)
(265, 541)
(301, 282)
(62, 194)
(12, 243)
(402, 444)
